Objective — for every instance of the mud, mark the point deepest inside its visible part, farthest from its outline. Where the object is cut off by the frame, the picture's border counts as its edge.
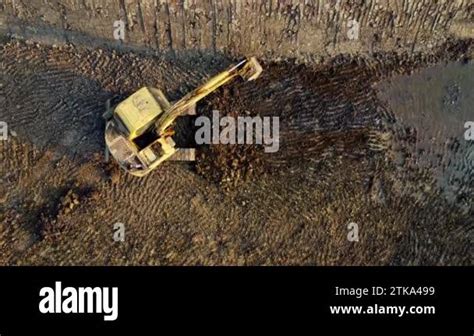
(348, 154)
(324, 110)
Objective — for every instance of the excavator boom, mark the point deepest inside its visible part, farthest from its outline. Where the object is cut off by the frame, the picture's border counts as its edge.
(248, 69)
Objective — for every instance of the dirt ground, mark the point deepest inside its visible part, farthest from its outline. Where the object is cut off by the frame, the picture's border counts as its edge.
(304, 29)
(364, 140)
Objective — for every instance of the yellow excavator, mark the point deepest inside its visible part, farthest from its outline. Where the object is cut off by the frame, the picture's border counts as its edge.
(139, 130)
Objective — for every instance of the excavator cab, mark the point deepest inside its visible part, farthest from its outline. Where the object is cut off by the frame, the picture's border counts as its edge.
(138, 131)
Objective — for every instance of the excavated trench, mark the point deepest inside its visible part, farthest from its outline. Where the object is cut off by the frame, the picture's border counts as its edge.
(352, 149)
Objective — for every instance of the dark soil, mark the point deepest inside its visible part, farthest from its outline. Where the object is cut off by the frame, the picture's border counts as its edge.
(345, 156)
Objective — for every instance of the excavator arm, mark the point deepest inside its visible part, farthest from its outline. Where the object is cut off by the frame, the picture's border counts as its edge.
(249, 69)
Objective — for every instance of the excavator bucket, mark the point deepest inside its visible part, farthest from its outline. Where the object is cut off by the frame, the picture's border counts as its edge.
(252, 69)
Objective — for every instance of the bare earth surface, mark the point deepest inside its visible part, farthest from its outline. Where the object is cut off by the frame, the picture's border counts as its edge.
(372, 133)
(376, 141)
